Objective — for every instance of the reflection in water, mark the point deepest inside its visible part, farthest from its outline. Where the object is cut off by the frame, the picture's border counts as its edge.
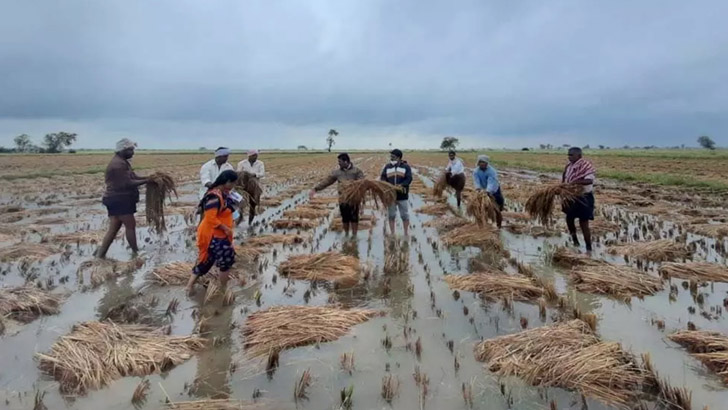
(116, 294)
(213, 364)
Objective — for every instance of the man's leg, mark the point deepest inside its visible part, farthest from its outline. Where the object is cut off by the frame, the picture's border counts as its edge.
(458, 196)
(584, 223)
(572, 230)
(346, 228)
(130, 230)
(404, 213)
(251, 214)
(392, 216)
(354, 229)
(499, 220)
(114, 226)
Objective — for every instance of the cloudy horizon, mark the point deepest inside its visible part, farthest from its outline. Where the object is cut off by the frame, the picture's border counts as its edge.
(187, 74)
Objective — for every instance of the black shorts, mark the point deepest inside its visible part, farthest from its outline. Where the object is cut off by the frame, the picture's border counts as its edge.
(582, 208)
(120, 206)
(498, 196)
(349, 213)
(456, 181)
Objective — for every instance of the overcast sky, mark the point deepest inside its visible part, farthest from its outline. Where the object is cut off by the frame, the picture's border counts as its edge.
(278, 74)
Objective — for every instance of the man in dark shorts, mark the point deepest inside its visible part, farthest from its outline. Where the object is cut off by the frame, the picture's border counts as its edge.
(121, 197)
(455, 175)
(346, 172)
(579, 171)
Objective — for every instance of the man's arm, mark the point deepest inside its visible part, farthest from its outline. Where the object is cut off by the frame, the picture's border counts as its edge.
(327, 182)
(205, 177)
(359, 174)
(476, 181)
(492, 185)
(383, 177)
(261, 171)
(407, 176)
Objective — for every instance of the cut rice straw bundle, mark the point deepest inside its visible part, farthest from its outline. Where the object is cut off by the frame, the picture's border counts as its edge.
(26, 252)
(338, 226)
(483, 208)
(324, 201)
(440, 185)
(79, 237)
(216, 404)
(102, 270)
(711, 348)
(446, 224)
(533, 230)
(567, 258)
(247, 183)
(473, 235)
(26, 303)
(285, 327)
(569, 356)
(94, 354)
(294, 224)
(695, 270)
(159, 188)
(171, 274)
(655, 251)
(272, 239)
(540, 205)
(602, 227)
(328, 266)
(496, 286)
(619, 281)
(306, 213)
(434, 209)
(359, 191)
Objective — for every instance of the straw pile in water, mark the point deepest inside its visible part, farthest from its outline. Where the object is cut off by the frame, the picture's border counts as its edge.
(440, 186)
(171, 274)
(396, 257)
(602, 227)
(567, 258)
(294, 224)
(711, 348)
(324, 201)
(285, 327)
(26, 251)
(272, 239)
(159, 188)
(94, 354)
(619, 281)
(483, 208)
(540, 205)
(357, 192)
(328, 266)
(521, 216)
(434, 209)
(445, 224)
(533, 230)
(695, 270)
(101, 270)
(715, 230)
(26, 303)
(216, 404)
(338, 226)
(79, 237)
(497, 286)
(473, 235)
(308, 213)
(656, 251)
(569, 356)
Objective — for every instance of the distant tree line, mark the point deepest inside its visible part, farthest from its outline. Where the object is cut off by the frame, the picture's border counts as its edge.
(52, 143)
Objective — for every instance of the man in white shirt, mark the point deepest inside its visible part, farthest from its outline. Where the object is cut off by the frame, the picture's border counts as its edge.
(455, 175)
(256, 169)
(213, 168)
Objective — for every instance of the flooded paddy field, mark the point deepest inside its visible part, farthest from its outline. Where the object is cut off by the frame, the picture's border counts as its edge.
(418, 347)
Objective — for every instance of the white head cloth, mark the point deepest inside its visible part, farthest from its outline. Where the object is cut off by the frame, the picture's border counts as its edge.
(125, 143)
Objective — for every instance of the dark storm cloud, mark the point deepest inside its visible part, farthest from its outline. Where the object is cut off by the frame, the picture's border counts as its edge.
(652, 70)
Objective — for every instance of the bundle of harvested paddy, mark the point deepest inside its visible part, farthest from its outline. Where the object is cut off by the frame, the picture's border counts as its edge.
(324, 201)
(569, 356)
(271, 202)
(171, 274)
(357, 192)
(602, 227)
(440, 185)
(27, 252)
(25, 303)
(713, 230)
(285, 327)
(248, 252)
(308, 213)
(483, 208)
(619, 281)
(79, 237)
(216, 404)
(249, 184)
(495, 285)
(101, 270)
(159, 187)
(338, 226)
(695, 270)
(434, 209)
(535, 231)
(272, 239)
(328, 266)
(540, 205)
(567, 258)
(520, 216)
(94, 354)
(711, 348)
(473, 235)
(294, 224)
(656, 251)
(446, 224)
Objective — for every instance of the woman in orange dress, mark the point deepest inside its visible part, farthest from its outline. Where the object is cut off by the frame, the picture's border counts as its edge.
(215, 232)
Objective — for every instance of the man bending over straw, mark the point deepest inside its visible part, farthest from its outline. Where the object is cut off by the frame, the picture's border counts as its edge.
(256, 170)
(121, 197)
(485, 178)
(455, 175)
(580, 172)
(398, 173)
(346, 172)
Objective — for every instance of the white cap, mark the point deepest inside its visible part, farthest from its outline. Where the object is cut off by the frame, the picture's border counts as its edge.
(483, 158)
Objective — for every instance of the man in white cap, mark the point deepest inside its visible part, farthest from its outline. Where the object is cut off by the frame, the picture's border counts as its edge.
(121, 196)
(485, 178)
(256, 169)
(213, 168)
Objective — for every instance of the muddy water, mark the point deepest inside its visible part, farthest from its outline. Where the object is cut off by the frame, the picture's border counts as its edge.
(416, 309)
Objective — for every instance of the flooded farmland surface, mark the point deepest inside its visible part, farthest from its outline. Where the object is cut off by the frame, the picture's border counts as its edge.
(417, 352)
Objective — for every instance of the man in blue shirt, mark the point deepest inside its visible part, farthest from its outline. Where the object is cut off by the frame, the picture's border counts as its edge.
(485, 178)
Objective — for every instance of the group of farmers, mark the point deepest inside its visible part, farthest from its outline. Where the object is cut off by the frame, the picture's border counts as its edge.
(219, 204)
